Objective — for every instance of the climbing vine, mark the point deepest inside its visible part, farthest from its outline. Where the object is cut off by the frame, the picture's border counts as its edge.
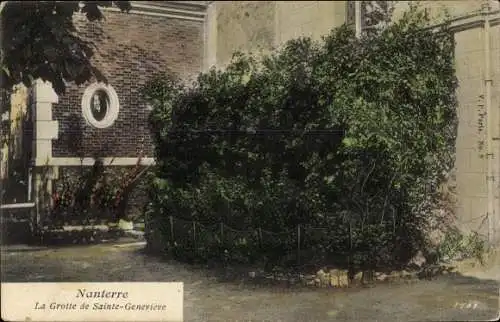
(351, 134)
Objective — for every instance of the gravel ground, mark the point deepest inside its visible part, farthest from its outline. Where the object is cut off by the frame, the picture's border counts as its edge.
(208, 298)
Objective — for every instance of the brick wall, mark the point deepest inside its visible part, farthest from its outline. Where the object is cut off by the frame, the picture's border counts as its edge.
(129, 49)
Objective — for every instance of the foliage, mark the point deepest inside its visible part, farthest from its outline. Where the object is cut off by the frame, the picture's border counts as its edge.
(457, 245)
(5, 97)
(94, 193)
(15, 131)
(39, 40)
(351, 134)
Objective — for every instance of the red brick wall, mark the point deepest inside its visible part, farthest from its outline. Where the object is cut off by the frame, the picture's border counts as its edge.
(130, 48)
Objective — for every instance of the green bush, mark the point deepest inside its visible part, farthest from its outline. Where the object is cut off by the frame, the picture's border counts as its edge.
(353, 135)
(93, 193)
(457, 245)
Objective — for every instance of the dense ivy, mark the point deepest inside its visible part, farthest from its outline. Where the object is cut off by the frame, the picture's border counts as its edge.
(355, 135)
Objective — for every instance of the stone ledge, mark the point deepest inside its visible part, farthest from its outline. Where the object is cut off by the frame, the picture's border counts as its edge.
(338, 278)
(185, 10)
(137, 234)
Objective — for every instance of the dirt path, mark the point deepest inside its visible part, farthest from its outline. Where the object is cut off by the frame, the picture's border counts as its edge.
(209, 299)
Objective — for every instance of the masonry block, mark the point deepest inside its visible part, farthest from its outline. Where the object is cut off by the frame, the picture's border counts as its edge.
(479, 208)
(315, 19)
(476, 163)
(43, 111)
(471, 213)
(44, 93)
(472, 184)
(462, 160)
(43, 152)
(47, 130)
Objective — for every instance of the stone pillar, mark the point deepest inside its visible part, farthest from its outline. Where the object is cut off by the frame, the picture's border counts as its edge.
(495, 115)
(45, 130)
(210, 37)
(491, 68)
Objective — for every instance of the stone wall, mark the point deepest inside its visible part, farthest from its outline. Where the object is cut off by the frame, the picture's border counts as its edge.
(243, 25)
(258, 27)
(246, 26)
(307, 18)
(472, 136)
(476, 145)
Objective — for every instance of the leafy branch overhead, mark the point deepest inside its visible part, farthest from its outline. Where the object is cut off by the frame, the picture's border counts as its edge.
(39, 40)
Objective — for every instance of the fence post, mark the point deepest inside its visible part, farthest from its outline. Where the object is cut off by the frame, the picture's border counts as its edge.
(194, 235)
(259, 236)
(172, 229)
(298, 244)
(349, 257)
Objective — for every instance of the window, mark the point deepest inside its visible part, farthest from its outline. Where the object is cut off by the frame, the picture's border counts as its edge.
(351, 13)
(100, 105)
(373, 14)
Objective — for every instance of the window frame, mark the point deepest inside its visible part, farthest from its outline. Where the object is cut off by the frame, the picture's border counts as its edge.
(112, 109)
